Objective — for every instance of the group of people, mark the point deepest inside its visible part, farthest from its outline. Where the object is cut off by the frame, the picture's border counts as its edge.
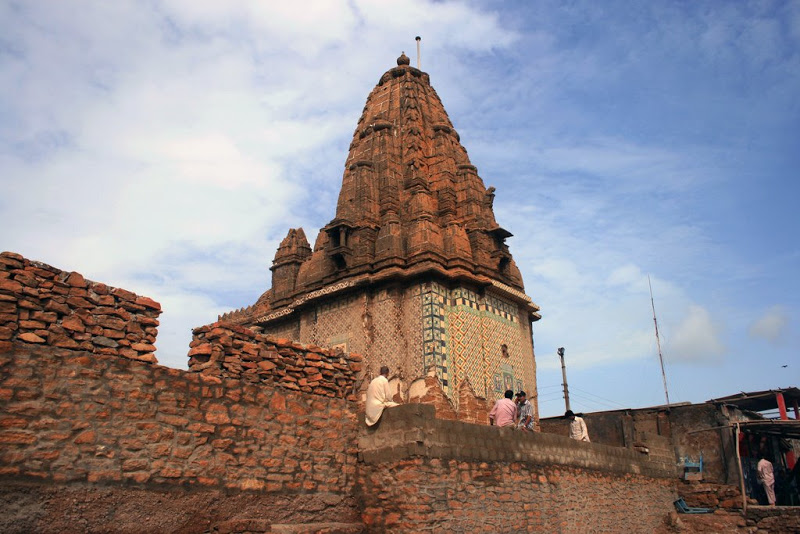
(512, 410)
(516, 413)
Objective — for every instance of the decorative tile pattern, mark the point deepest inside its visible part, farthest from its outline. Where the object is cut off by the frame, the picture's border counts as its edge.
(338, 322)
(412, 327)
(388, 345)
(464, 328)
(434, 333)
(477, 328)
(288, 330)
(504, 379)
(457, 332)
(503, 308)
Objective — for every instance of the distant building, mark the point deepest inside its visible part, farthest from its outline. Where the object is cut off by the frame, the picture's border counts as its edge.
(413, 271)
(701, 438)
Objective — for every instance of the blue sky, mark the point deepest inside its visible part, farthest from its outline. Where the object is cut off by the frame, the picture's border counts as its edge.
(167, 147)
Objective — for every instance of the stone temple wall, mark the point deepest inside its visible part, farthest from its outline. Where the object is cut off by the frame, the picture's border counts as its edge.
(461, 334)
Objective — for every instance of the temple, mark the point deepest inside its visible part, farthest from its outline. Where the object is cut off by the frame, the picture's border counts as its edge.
(413, 271)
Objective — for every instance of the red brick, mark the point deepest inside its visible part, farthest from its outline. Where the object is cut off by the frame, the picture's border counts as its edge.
(217, 414)
(87, 436)
(104, 476)
(76, 280)
(148, 303)
(10, 285)
(22, 437)
(30, 338)
(73, 323)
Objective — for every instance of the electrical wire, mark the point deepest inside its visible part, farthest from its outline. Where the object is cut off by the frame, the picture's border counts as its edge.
(601, 398)
(593, 401)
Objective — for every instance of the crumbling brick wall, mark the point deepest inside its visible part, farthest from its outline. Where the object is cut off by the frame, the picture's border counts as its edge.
(229, 351)
(42, 305)
(70, 416)
(82, 402)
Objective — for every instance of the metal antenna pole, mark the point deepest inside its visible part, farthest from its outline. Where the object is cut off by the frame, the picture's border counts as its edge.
(564, 376)
(418, 38)
(658, 341)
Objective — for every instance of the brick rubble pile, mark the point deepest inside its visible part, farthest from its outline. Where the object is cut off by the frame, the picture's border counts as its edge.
(231, 351)
(42, 305)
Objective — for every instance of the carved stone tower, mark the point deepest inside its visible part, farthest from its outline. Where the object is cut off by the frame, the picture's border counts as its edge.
(413, 271)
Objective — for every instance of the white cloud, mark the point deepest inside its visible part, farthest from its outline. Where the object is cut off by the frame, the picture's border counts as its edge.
(627, 275)
(167, 147)
(771, 326)
(696, 339)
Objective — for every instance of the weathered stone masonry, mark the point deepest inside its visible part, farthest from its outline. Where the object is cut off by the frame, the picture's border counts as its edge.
(231, 351)
(43, 305)
(418, 472)
(72, 416)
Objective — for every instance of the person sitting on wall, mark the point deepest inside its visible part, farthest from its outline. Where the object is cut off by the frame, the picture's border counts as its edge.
(767, 478)
(577, 427)
(525, 412)
(504, 411)
(379, 396)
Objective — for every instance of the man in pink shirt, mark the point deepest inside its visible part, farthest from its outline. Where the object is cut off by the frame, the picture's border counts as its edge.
(504, 411)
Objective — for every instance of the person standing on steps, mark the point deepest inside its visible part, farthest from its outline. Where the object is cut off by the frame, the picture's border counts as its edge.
(379, 396)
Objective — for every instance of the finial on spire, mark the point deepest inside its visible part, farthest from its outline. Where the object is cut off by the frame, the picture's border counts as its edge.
(403, 59)
(418, 39)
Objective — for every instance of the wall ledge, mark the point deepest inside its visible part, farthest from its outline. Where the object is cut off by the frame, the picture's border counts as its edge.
(412, 430)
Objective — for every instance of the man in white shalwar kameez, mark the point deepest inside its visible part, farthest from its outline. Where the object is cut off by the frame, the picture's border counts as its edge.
(577, 426)
(767, 479)
(379, 396)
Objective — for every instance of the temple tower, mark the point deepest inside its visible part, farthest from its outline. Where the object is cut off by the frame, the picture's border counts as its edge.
(413, 271)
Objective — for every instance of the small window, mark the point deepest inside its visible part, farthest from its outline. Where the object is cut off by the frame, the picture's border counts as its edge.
(339, 262)
(502, 266)
(504, 350)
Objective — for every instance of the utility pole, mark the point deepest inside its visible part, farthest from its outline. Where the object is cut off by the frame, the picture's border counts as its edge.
(564, 376)
(658, 342)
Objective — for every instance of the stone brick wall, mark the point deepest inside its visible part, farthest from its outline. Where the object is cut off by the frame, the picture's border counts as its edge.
(230, 351)
(774, 519)
(429, 494)
(421, 473)
(696, 429)
(41, 305)
(74, 416)
(415, 429)
(692, 430)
